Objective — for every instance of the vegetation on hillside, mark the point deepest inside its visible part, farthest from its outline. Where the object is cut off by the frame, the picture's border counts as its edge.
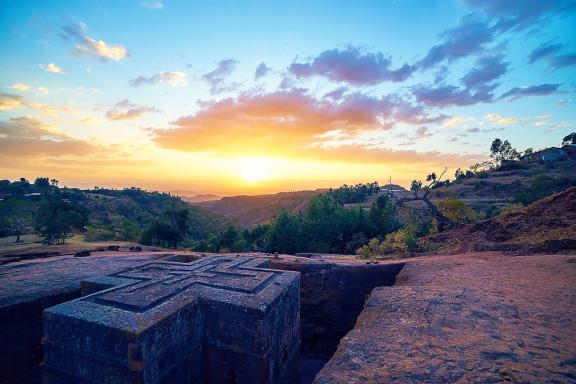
(363, 218)
(101, 214)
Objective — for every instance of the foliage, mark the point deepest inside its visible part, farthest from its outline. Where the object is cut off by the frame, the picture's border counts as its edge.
(481, 167)
(129, 231)
(403, 240)
(370, 250)
(56, 219)
(460, 174)
(100, 233)
(170, 232)
(327, 226)
(161, 234)
(355, 194)
(456, 210)
(415, 186)
(569, 139)
(541, 186)
(502, 150)
(512, 208)
(16, 217)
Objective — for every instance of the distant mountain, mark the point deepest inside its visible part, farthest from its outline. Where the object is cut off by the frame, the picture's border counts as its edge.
(250, 211)
(200, 198)
(194, 196)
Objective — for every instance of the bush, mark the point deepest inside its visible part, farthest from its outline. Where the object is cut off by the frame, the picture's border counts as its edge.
(370, 250)
(456, 210)
(402, 241)
(512, 208)
(104, 233)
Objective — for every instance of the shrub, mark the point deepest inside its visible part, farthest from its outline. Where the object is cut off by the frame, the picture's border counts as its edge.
(369, 250)
(402, 241)
(456, 210)
(104, 233)
(512, 208)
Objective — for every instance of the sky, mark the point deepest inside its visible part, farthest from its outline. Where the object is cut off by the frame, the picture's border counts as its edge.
(248, 97)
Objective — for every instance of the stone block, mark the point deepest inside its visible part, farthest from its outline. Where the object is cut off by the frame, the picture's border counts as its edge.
(218, 320)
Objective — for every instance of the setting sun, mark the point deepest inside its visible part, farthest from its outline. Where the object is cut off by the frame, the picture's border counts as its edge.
(253, 170)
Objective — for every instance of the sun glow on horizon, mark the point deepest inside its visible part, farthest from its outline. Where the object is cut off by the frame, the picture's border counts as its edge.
(253, 169)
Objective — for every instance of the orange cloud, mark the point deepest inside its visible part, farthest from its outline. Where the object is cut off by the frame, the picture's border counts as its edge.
(293, 124)
(28, 136)
(275, 123)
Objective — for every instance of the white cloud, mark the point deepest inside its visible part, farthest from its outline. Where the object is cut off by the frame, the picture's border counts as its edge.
(507, 121)
(51, 67)
(456, 120)
(85, 45)
(153, 4)
(100, 49)
(8, 102)
(21, 87)
(492, 116)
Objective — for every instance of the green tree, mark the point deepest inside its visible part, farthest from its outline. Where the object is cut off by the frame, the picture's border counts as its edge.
(227, 239)
(42, 183)
(383, 216)
(569, 139)
(56, 219)
(19, 216)
(502, 151)
(161, 234)
(130, 231)
(286, 234)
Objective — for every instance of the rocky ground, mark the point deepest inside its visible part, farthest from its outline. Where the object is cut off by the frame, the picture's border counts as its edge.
(471, 318)
(482, 317)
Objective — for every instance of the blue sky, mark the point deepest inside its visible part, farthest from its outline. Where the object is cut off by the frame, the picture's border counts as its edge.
(164, 94)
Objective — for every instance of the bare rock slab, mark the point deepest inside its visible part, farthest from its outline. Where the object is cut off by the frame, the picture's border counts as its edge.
(216, 320)
(474, 318)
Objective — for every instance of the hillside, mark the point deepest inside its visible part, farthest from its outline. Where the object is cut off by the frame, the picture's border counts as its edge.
(143, 208)
(496, 188)
(250, 211)
(102, 214)
(548, 225)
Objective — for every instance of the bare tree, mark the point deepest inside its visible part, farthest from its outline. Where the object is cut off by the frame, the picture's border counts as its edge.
(422, 193)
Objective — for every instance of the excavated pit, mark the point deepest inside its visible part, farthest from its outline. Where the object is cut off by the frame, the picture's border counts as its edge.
(331, 298)
(332, 295)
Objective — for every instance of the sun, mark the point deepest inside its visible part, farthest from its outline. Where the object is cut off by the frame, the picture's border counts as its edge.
(253, 170)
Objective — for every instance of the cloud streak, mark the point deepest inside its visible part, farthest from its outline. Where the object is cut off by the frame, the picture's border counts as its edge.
(532, 90)
(173, 79)
(125, 110)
